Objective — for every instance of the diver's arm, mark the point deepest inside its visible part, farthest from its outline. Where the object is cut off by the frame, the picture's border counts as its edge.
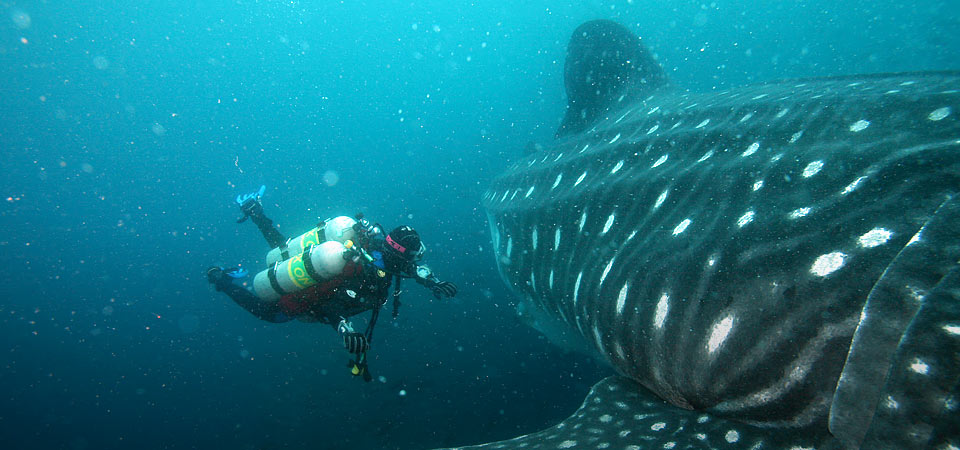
(440, 289)
(253, 209)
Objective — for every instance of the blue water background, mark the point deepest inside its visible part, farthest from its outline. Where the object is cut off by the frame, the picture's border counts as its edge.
(127, 127)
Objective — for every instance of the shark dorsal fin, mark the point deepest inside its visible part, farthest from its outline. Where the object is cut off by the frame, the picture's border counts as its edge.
(605, 63)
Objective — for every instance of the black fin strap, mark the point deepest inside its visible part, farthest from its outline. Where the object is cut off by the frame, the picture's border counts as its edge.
(272, 276)
(308, 264)
(396, 296)
(372, 323)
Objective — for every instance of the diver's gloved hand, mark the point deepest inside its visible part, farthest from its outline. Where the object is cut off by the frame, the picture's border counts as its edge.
(250, 207)
(354, 342)
(443, 289)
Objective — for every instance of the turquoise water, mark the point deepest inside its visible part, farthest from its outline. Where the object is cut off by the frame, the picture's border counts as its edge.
(127, 129)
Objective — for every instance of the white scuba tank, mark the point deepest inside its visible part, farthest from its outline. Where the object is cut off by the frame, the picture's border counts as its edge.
(304, 269)
(338, 229)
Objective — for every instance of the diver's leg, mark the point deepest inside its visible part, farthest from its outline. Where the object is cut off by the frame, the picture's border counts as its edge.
(254, 210)
(269, 311)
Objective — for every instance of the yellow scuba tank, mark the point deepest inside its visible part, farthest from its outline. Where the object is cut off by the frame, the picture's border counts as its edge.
(318, 263)
(338, 229)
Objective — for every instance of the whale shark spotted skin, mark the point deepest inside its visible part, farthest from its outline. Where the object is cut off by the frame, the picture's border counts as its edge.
(780, 262)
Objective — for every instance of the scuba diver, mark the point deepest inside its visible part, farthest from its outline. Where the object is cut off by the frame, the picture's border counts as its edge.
(339, 269)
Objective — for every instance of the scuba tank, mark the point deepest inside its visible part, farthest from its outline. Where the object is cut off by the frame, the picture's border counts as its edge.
(315, 264)
(340, 229)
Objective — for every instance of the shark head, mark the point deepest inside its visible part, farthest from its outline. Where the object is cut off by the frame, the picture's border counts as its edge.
(780, 258)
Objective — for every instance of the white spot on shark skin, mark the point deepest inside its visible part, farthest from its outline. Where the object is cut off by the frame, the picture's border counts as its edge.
(859, 125)
(558, 157)
(676, 125)
(681, 227)
(853, 186)
(624, 116)
(550, 283)
(700, 436)
(660, 161)
(732, 436)
(504, 196)
(703, 419)
(757, 185)
(533, 238)
(758, 97)
(751, 149)
(606, 270)
(583, 220)
(874, 237)
(782, 113)
(661, 199)
(828, 263)
(663, 307)
(658, 426)
(580, 180)
(615, 138)
(617, 167)
(746, 218)
(567, 444)
(705, 156)
(702, 124)
(890, 403)
(796, 136)
(557, 181)
(606, 226)
(939, 114)
(920, 367)
(556, 239)
(622, 298)
(529, 191)
(746, 117)
(952, 329)
(812, 169)
(719, 333)
(670, 445)
(799, 212)
(509, 246)
(576, 287)
(653, 110)
(653, 129)
(585, 147)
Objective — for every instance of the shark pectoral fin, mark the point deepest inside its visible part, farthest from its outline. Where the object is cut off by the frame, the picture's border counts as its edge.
(895, 328)
(918, 407)
(620, 414)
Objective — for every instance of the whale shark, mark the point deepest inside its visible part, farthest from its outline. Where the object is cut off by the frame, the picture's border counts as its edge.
(769, 266)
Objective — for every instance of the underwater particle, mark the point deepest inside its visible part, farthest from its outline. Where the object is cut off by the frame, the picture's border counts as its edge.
(100, 62)
(436, 28)
(158, 129)
(414, 27)
(86, 167)
(331, 178)
(402, 393)
(21, 19)
(244, 354)
(107, 310)
(382, 379)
